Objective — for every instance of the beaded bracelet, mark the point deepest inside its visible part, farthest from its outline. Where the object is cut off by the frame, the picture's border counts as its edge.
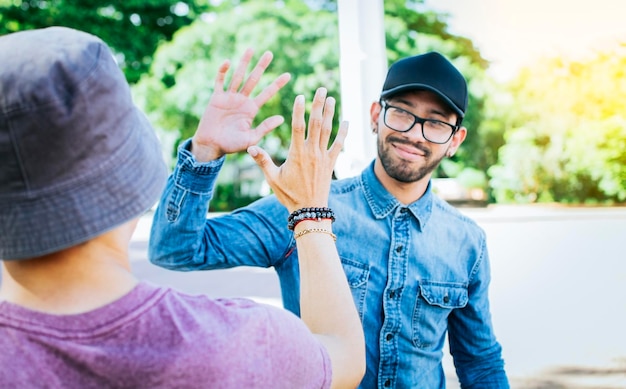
(309, 230)
(310, 213)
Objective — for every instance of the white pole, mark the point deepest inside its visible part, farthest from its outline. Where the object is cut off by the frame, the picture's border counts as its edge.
(363, 65)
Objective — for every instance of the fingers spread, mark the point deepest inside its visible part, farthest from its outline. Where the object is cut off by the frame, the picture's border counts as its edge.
(221, 75)
(262, 158)
(327, 123)
(297, 123)
(337, 145)
(257, 72)
(268, 125)
(240, 72)
(317, 116)
(272, 89)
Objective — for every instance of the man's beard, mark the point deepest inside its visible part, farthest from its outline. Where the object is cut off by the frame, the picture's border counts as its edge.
(400, 170)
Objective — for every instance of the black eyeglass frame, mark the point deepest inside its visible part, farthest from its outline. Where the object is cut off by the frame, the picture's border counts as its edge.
(416, 119)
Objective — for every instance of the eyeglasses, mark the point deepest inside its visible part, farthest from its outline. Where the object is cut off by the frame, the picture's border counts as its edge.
(435, 131)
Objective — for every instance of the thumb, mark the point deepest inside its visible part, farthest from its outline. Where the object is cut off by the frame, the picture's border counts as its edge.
(262, 158)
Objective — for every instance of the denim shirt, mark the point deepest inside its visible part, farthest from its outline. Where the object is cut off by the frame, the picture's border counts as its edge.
(417, 273)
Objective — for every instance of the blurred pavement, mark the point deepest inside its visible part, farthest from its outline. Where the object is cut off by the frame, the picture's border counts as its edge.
(558, 292)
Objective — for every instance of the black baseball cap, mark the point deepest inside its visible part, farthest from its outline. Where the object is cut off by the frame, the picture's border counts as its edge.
(432, 72)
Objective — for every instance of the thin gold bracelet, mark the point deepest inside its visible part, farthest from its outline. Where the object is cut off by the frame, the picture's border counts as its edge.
(308, 230)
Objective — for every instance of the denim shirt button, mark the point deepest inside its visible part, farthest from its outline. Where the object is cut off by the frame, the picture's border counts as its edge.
(446, 299)
(399, 248)
(389, 337)
(392, 294)
(387, 383)
(403, 210)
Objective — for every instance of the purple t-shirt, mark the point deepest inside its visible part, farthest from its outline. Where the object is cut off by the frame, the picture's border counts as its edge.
(159, 338)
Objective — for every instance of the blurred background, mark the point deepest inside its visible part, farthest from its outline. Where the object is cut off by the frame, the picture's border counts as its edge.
(543, 169)
(547, 80)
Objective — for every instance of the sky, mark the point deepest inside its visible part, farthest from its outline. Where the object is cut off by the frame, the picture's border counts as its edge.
(511, 33)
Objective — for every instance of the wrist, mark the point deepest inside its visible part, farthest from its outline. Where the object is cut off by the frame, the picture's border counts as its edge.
(203, 152)
(326, 224)
(309, 213)
(306, 227)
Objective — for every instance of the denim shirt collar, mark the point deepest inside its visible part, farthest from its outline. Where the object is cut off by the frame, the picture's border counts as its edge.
(382, 203)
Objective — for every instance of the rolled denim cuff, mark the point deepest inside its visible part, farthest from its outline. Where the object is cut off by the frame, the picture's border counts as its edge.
(193, 176)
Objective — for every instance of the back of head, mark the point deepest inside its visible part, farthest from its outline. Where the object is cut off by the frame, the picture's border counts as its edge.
(78, 157)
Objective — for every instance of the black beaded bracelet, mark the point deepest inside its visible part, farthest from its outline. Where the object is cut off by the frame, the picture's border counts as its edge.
(310, 213)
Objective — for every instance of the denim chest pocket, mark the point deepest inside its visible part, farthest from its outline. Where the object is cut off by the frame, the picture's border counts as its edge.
(434, 303)
(357, 275)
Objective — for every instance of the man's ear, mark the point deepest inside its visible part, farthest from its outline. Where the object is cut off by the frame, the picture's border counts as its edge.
(375, 110)
(457, 139)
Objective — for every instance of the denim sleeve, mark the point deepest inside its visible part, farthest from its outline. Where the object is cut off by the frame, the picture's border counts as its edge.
(473, 345)
(183, 238)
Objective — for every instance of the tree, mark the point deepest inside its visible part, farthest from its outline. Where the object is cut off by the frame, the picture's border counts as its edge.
(180, 82)
(411, 29)
(133, 28)
(567, 138)
(304, 39)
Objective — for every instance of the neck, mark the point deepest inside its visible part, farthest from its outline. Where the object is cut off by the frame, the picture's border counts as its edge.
(404, 192)
(74, 280)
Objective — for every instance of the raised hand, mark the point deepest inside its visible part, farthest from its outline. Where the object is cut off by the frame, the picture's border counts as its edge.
(304, 179)
(226, 124)
(326, 303)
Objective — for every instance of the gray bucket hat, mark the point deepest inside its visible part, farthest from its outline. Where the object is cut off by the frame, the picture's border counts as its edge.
(78, 157)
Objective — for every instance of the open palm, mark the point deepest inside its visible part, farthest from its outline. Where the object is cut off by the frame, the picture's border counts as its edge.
(226, 125)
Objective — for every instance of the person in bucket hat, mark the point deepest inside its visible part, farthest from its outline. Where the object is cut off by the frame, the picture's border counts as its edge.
(418, 269)
(80, 165)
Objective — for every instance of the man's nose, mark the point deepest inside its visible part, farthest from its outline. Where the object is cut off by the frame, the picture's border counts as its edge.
(416, 132)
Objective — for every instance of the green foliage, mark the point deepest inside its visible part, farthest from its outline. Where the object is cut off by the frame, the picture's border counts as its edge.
(411, 30)
(556, 133)
(180, 81)
(133, 28)
(177, 79)
(567, 135)
(303, 35)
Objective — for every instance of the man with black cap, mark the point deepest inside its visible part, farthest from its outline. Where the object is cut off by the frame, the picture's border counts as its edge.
(80, 165)
(418, 269)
